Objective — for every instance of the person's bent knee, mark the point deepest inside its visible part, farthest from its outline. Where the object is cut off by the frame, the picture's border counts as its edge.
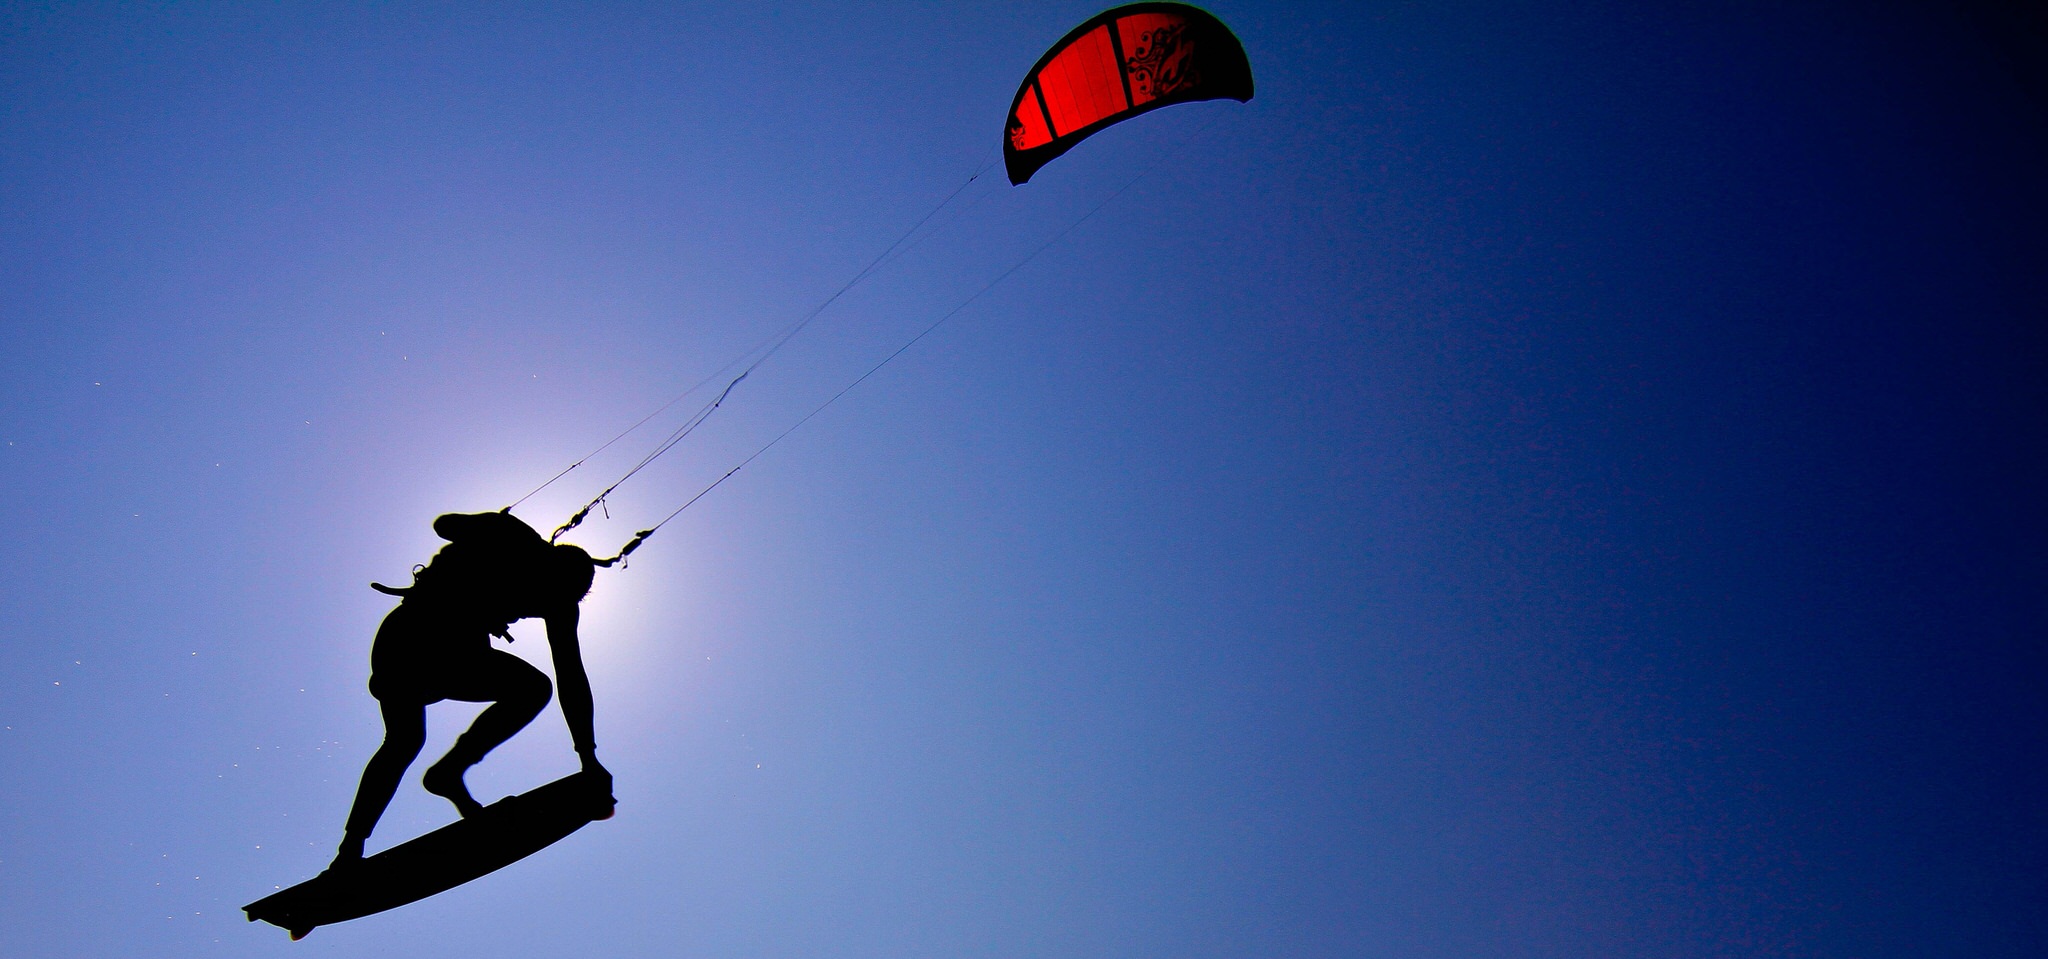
(535, 689)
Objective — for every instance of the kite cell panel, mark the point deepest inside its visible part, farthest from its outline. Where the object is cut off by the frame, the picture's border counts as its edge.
(1119, 64)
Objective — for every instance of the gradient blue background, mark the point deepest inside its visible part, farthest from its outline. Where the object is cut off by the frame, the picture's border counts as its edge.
(1546, 480)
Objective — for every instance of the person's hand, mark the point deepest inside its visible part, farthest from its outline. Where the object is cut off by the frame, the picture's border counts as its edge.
(600, 782)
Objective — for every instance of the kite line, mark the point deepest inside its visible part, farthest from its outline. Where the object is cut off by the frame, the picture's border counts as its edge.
(642, 535)
(766, 348)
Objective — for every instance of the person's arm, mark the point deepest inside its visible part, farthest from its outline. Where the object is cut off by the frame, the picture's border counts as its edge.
(572, 685)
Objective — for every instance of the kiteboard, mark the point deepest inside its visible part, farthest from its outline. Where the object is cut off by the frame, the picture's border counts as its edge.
(505, 832)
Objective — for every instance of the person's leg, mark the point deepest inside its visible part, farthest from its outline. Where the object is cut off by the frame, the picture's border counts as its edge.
(516, 691)
(405, 731)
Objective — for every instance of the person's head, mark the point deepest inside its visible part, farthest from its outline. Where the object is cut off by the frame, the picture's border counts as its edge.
(570, 570)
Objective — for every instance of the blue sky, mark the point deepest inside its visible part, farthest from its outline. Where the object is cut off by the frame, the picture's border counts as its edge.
(1539, 480)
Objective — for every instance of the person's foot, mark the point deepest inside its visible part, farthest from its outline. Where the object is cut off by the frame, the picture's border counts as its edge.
(445, 781)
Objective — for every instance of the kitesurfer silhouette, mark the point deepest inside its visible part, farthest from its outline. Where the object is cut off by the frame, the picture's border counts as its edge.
(436, 645)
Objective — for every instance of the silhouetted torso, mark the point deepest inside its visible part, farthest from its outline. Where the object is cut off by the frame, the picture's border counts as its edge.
(494, 571)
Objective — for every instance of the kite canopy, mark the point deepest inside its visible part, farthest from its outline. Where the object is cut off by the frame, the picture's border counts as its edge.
(1119, 64)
